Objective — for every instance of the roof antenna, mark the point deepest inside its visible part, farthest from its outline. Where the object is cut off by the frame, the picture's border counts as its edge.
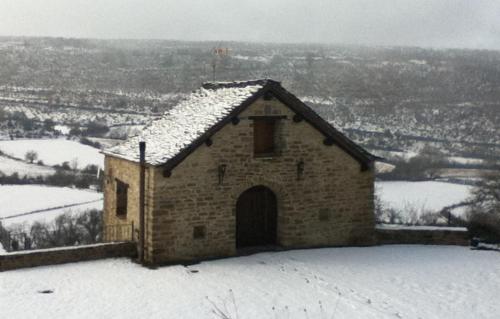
(218, 52)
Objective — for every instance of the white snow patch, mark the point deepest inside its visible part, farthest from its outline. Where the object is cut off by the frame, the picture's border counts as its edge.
(54, 151)
(381, 167)
(48, 216)
(9, 166)
(465, 160)
(34, 251)
(421, 62)
(423, 196)
(63, 129)
(20, 199)
(417, 228)
(432, 282)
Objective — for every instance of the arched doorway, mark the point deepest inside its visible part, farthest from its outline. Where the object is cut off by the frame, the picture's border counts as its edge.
(256, 217)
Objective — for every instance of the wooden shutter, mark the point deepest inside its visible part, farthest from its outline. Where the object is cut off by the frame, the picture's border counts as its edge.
(263, 130)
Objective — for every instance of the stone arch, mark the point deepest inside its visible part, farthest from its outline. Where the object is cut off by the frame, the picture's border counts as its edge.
(256, 217)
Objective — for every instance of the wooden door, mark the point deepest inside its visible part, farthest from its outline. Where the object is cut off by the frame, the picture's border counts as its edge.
(256, 217)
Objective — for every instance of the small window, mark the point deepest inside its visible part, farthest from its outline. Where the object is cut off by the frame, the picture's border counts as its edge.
(199, 232)
(264, 136)
(121, 198)
(324, 214)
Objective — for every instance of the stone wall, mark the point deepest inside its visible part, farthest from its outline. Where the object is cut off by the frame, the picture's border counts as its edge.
(44, 257)
(128, 172)
(422, 236)
(331, 205)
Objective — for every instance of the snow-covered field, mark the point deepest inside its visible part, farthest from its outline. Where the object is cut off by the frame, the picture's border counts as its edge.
(54, 151)
(423, 196)
(465, 160)
(22, 199)
(441, 282)
(9, 166)
(48, 216)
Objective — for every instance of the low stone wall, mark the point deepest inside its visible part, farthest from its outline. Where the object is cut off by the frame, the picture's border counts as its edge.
(421, 235)
(43, 257)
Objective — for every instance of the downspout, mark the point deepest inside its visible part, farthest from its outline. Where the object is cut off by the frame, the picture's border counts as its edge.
(142, 156)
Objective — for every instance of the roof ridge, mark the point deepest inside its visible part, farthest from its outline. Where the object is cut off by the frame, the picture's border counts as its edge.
(237, 84)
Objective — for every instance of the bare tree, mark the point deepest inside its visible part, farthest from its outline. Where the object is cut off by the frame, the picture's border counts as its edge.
(484, 212)
(31, 156)
(91, 222)
(486, 195)
(74, 164)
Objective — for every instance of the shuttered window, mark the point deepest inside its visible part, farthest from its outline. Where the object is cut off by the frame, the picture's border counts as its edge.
(121, 198)
(264, 136)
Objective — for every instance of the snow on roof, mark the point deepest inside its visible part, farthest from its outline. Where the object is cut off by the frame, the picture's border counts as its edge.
(418, 228)
(187, 121)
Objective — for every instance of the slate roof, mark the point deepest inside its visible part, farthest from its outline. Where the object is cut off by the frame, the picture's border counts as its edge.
(191, 122)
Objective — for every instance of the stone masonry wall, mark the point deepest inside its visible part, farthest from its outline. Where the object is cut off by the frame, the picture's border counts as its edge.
(128, 172)
(421, 236)
(332, 205)
(43, 257)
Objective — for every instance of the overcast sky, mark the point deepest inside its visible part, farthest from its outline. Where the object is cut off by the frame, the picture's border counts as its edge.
(428, 23)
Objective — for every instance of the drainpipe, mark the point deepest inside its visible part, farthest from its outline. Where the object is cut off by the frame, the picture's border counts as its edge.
(142, 156)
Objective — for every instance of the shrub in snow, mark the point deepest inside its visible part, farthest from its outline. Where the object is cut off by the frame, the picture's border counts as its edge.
(86, 141)
(424, 166)
(485, 226)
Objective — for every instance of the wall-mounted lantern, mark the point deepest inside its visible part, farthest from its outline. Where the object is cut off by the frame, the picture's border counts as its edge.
(328, 141)
(221, 172)
(167, 173)
(300, 170)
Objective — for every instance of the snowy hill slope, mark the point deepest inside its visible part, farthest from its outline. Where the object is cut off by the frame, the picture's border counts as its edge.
(383, 97)
(21, 204)
(54, 151)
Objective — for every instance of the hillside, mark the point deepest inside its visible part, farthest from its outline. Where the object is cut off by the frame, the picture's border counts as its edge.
(385, 98)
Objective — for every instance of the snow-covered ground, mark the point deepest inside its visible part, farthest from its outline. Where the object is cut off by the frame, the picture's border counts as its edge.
(48, 216)
(9, 166)
(22, 199)
(54, 151)
(422, 196)
(465, 160)
(441, 282)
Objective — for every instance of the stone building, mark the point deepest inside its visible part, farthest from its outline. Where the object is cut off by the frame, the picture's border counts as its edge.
(238, 165)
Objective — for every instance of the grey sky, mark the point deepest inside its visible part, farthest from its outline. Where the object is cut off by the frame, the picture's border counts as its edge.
(437, 23)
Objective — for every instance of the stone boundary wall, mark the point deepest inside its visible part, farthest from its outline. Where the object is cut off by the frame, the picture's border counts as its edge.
(54, 256)
(418, 235)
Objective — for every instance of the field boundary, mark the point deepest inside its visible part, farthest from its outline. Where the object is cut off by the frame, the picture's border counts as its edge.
(62, 255)
(49, 209)
(421, 235)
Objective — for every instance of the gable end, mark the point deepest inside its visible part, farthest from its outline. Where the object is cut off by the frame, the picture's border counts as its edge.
(303, 111)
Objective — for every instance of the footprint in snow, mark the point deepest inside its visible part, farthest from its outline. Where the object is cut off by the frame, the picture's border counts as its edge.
(47, 291)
